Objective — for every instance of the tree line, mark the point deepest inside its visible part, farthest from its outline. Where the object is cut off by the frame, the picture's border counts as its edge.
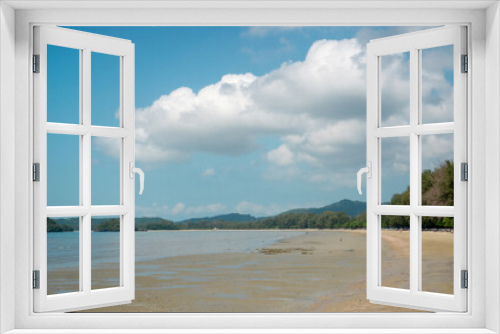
(437, 189)
(324, 220)
(53, 226)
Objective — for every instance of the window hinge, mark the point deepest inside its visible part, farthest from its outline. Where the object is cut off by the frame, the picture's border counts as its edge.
(464, 171)
(36, 172)
(465, 279)
(465, 64)
(36, 279)
(36, 63)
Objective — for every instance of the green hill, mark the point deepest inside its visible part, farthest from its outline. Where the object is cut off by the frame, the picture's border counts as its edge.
(53, 226)
(352, 208)
(228, 217)
(140, 223)
(110, 225)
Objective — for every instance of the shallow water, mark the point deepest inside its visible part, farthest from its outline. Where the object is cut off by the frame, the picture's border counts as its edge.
(63, 250)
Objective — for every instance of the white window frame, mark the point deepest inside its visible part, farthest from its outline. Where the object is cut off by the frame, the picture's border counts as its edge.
(483, 212)
(414, 43)
(86, 44)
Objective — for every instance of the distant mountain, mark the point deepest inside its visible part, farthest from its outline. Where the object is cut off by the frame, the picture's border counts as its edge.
(141, 223)
(53, 226)
(228, 217)
(352, 208)
(110, 225)
(75, 222)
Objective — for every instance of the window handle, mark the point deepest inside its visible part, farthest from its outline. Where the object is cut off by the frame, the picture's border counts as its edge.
(368, 171)
(139, 171)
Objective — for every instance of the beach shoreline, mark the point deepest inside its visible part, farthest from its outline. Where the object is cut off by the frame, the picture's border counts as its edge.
(319, 271)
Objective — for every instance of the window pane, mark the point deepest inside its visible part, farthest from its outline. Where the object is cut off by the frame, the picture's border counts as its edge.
(105, 90)
(437, 254)
(437, 84)
(396, 251)
(106, 252)
(106, 171)
(63, 170)
(395, 170)
(437, 170)
(63, 85)
(395, 89)
(63, 255)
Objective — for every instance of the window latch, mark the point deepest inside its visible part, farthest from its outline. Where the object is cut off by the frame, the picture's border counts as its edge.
(132, 171)
(368, 171)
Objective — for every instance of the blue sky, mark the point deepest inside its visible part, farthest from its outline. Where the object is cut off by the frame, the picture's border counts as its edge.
(232, 119)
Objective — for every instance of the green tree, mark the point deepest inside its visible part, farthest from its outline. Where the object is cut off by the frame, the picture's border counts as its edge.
(110, 225)
(53, 226)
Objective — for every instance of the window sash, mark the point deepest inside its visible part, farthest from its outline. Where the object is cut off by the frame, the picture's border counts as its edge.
(86, 297)
(413, 43)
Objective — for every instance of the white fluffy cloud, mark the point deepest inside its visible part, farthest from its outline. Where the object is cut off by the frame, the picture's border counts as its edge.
(196, 210)
(317, 107)
(208, 172)
(179, 209)
(154, 210)
(260, 210)
(282, 156)
(215, 208)
(301, 99)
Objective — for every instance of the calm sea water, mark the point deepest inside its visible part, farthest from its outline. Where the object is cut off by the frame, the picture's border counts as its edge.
(63, 247)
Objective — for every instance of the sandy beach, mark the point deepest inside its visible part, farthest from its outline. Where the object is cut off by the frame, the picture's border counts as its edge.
(320, 271)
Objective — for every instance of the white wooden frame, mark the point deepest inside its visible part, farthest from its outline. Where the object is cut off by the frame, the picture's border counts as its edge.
(483, 314)
(85, 43)
(414, 43)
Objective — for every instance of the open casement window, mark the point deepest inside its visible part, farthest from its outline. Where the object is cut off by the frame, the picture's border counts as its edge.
(84, 293)
(419, 131)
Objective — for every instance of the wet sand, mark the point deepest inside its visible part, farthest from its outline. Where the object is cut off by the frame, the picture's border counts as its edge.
(320, 271)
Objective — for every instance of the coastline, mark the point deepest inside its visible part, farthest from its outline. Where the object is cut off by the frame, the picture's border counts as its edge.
(320, 271)
(263, 230)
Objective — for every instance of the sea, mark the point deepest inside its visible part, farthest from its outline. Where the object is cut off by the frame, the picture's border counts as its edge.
(63, 247)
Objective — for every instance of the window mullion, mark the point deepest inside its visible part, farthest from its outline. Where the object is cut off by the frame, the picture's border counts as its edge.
(419, 210)
(85, 166)
(414, 171)
(109, 210)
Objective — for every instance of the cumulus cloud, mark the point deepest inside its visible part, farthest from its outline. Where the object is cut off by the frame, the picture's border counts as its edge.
(220, 119)
(178, 208)
(154, 210)
(228, 116)
(205, 209)
(260, 210)
(317, 107)
(437, 92)
(436, 149)
(281, 156)
(208, 172)
(395, 156)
